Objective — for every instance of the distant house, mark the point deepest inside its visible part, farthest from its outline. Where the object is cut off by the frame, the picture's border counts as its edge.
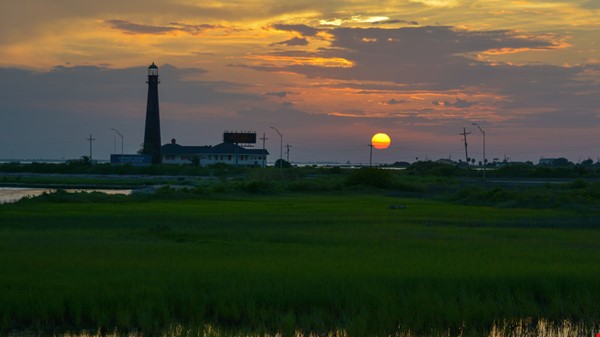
(226, 153)
(554, 162)
(445, 161)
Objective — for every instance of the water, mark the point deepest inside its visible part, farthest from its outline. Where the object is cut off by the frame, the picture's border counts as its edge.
(12, 194)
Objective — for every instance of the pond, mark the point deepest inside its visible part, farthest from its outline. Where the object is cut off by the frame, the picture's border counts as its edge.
(12, 194)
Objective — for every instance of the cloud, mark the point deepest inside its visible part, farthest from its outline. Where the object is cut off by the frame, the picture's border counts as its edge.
(293, 53)
(295, 41)
(279, 94)
(195, 29)
(568, 119)
(389, 22)
(443, 59)
(438, 3)
(353, 113)
(110, 92)
(591, 4)
(459, 103)
(371, 87)
(394, 102)
(304, 30)
(429, 57)
(412, 43)
(135, 28)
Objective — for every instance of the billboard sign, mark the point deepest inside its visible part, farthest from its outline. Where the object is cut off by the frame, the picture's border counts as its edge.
(131, 159)
(246, 138)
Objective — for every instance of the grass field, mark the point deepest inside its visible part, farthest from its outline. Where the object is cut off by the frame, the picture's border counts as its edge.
(365, 263)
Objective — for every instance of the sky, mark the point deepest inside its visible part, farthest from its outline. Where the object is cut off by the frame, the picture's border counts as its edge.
(327, 74)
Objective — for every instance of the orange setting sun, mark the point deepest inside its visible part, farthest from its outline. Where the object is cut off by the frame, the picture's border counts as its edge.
(380, 141)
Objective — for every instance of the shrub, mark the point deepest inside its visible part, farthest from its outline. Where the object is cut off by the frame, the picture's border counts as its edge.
(433, 168)
(335, 170)
(578, 184)
(257, 186)
(372, 177)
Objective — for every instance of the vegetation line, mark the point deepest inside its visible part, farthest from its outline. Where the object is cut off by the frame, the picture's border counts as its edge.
(368, 252)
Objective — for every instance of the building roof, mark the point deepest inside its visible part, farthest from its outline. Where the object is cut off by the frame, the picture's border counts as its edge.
(230, 148)
(174, 149)
(221, 149)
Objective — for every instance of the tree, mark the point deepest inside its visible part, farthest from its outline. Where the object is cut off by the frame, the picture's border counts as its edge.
(282, 163)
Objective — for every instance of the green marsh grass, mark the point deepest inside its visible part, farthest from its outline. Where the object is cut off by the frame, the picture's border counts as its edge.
(363, 263)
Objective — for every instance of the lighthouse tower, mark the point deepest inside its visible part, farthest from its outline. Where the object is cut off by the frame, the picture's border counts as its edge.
(152, 133)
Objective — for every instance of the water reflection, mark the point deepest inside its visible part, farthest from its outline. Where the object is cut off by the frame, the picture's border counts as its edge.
(12, 194)
(523, 328)
(541, 328)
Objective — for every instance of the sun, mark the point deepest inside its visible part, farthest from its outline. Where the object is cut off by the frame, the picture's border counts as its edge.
(380, 141)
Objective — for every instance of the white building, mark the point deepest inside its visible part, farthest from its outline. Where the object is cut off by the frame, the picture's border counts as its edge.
(226, 153)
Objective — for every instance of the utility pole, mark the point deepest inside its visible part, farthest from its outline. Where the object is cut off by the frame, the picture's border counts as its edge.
(371, 155)
(280, 147)
(464, 134)
(91, 140)
(264, 138)
(483, 133)
(287, 146)
(120, 135)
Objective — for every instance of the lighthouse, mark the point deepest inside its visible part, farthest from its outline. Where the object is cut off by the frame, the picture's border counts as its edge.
(152, 132)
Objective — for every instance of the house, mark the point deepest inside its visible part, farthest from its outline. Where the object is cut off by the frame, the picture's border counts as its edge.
(445, 161)
(226, 153)
(554, 162)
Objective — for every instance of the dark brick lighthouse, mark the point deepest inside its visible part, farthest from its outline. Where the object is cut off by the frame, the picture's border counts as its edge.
(152, 133)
